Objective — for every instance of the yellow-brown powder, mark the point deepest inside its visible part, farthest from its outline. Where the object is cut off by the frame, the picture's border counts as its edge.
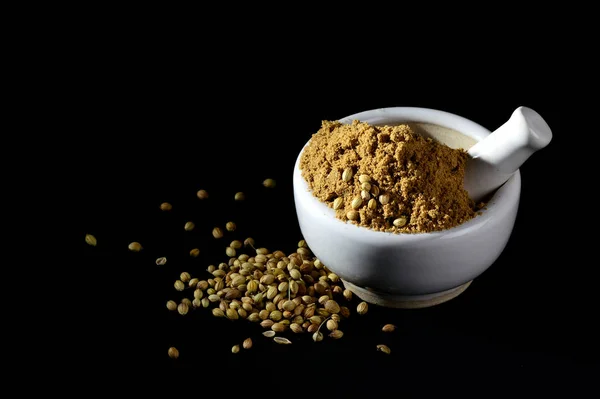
(422, 177)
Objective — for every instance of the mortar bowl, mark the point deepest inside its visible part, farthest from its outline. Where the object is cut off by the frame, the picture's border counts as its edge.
(408, 270)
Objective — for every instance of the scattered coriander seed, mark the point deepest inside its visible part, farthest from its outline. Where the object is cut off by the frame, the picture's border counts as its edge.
(331, 325)
(347, 174)
(189, 226)
(337, 334)
(193, 283)
(281, 340)
(302, 244)
(249, 242)
(388, 328)
(205, 302)
(187, 302)
(352, 215)
(362, 308)
(218, 312)
(161, 261)
(230, 252)
(235, 349)
(317, 336)
(337, 203)
(196, 303)
(247, 344)
(202, 194)
(356, 202)
(384, 199)
(183, 308)
(135, 246)
(173, 353)
(400, 222)
(194, 252)
(217, 232)
(375, 191)
(230, 226)
(91, 240)
(332, 306)
(269, 183)
(384, 349)
(165, 206)
(185, 277)
(236, 244)
(269, 334)
(179, 285)
(347, 294)
(366, 187)
(240, 196)
(172, 305)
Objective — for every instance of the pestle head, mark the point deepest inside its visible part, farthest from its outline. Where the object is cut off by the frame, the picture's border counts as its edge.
(493, 160)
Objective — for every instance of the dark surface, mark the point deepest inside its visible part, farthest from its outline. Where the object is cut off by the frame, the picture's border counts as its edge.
(528, 321)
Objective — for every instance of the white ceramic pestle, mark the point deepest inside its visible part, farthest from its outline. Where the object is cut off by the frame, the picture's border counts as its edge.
(493, 160)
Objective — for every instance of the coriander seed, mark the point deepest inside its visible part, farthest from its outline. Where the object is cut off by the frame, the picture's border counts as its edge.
(317, 336)
(384, 199)
(362, 308)
(230, 252)
(179, 285)
(247, 344)
(269, 334)
(230, 226)
(364, 178)
(185, 277)
(249, 242)
(400, 222)
(173, 353)
(337, 334)
(384, 348)
(269, 183)
(91, 240)
(347, 174)
(172, 305)
(352, 215)
(372, 204)
(165, 206)
(356, 202)
(135, 246)
(183, 308)
(161, 261)
(235, 349)
(388, 328)
(202, 194)
(337, 203)
(217, 232)
(281, 340)
(240, 196)
(189, 226)
(194, 252)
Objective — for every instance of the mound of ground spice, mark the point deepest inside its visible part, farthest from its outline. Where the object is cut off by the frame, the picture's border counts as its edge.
(387, 178)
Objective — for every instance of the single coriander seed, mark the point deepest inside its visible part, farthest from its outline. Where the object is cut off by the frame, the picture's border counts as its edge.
(384, 348)
(217, 232)
(384, 199)
(189, 226)
(347, 174)
(235, 349)
(362, 308)
(135, 246)
(352, 215)
(91, 240)
(337, 203)
(269, 183)
(179, 285)
(356, 202)
(400, 222)
(247, 344)
(240, 196)
(194, 252)
(172, 305)
(230, 252)
(161, 261)
(183, 308)
(249, 242)
(230, 226)
(165, 206)
(372, 204)
(364, 178)
(388, 328)
(173, 353)
(185, 277)
(202, 194)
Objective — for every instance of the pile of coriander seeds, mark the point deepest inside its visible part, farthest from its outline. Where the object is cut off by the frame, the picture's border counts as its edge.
(288, 296)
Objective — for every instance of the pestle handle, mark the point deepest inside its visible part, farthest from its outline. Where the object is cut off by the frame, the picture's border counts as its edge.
(493, 160)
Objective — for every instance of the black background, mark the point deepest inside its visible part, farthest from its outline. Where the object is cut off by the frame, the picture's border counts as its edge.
(158, 128)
